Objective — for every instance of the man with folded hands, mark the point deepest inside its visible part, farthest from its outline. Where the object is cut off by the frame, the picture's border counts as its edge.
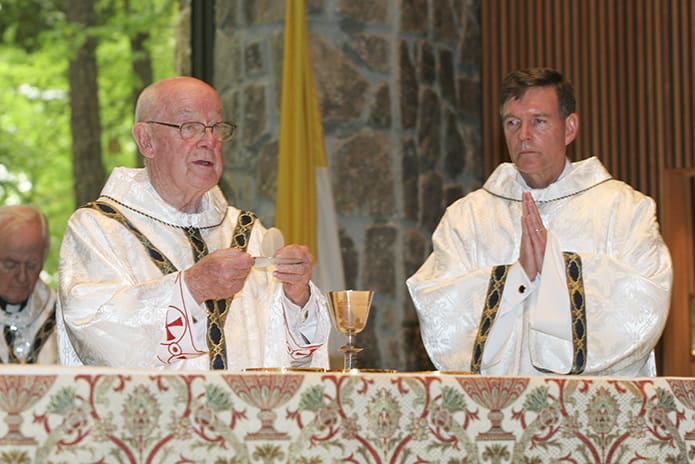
(552, 267)
(160, 272)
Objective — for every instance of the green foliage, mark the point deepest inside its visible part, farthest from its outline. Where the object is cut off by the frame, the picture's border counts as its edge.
(35, 152)
(35, 142)
(23, 21)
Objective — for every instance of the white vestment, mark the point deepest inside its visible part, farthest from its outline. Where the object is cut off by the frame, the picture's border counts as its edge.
(626, 271)
(30, 330)
(118, 309)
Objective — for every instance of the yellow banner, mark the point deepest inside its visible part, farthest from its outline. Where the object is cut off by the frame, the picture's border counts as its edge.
(301, 145)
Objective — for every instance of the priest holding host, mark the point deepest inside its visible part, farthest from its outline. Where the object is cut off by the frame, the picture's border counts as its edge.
(161, 272)
(552, 267)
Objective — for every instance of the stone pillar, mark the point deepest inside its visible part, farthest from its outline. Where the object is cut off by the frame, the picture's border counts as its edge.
(399, 89)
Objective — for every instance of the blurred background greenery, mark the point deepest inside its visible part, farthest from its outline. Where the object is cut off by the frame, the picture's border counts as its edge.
(41, 45)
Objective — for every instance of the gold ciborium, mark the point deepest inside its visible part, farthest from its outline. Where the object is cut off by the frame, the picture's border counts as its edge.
(349, 310)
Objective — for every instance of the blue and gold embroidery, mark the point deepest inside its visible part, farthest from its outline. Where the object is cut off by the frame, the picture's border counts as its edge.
(498, 277)
(575, 286)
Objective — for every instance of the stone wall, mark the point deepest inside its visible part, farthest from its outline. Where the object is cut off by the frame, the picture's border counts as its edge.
(399, 88)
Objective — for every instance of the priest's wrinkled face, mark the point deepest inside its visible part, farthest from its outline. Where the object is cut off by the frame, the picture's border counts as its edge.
(537, 135)
(21, 259)
(181, 141)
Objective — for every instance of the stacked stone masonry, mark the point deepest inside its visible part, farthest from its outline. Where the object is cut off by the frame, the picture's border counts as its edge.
(399, 91)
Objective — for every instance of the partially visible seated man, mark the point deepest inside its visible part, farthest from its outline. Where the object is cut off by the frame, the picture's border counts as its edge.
(159, 272)
(27, 304)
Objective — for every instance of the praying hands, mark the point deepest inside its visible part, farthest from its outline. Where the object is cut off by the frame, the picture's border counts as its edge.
(533, 238)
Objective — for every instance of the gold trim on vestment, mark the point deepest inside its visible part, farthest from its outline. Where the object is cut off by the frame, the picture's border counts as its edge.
(577, 297)
(217, 309)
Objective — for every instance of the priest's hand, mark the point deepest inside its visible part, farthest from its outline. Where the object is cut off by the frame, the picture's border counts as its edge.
(295, 277)
(533, 238)
(219, 275)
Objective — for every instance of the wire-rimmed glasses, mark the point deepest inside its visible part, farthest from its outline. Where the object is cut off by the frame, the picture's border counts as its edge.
(12, 266)
(193, 130)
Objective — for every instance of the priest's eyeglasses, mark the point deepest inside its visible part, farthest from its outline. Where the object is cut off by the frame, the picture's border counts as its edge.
(193, 130)
(12, 266)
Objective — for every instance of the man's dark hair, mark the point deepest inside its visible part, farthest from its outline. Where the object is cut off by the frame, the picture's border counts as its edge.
(518, 82)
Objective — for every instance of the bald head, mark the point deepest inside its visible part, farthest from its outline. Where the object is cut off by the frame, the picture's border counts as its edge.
(14, 219)
(24, 243)
(160, 98)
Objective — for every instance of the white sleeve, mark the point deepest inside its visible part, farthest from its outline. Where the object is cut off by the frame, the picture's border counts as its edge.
(305, 331)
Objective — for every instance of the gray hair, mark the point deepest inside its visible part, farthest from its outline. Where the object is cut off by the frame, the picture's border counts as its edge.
(13, 216)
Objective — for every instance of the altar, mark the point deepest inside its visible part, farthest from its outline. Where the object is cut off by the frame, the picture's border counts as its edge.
(90, 415)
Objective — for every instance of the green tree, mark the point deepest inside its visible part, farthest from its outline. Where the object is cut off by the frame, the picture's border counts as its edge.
(37, 44)
(85, 120)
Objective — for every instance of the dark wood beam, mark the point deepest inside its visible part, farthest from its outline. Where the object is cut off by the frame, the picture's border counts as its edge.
(202, 39)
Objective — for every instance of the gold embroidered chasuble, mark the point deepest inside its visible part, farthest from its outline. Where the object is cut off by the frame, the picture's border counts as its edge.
(217, 309)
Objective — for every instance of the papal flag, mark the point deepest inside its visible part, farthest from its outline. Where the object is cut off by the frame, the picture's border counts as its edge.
(304, 208)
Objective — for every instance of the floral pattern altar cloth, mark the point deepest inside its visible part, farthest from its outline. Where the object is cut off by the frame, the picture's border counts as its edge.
(95, 415)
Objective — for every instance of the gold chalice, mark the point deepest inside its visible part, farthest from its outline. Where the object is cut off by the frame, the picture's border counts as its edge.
(349, 310)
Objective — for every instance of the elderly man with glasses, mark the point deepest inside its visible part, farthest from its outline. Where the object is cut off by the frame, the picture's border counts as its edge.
(159, 271)
(27, 304)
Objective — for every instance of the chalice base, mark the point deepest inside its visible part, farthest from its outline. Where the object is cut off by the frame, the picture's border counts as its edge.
(14, 434)
(496, 431)
(267, 430)
(267, 434)
(496, 435)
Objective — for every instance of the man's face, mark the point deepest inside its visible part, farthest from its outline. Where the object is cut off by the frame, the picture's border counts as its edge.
(187, 167)
(21, 260)
(537, 136)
